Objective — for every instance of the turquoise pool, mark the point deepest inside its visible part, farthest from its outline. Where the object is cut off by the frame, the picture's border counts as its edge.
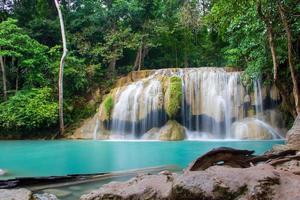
(62, 157)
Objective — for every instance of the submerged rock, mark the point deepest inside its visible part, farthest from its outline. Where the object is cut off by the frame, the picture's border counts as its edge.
(15, 194)
(57, 192)
(172, 131)
(44, 196)
(2, 172)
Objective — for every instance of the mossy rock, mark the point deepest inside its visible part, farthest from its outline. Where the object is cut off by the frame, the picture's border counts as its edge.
(107, 107)
(172, 131)
(173, 96)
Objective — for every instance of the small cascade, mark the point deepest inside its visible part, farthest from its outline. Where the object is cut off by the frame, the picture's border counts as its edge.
(258, 96)
(212, 99)
(96, 129)
(214, 104)
(138, 108)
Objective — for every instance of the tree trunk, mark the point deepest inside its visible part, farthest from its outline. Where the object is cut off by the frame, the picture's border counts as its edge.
(290, 56)
(186, 61)
(17, 80)
(273, 52)
(3, 78)
(286, 100)
(61, 69)
(112, 67)
(270, 36)
(140, 57)
(137, 59)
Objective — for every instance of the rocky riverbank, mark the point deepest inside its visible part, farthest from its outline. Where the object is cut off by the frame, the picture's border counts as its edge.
(220, 174)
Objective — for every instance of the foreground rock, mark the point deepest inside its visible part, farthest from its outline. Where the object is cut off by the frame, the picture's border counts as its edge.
(140, 187)
(15, 194)
(216, 183)
(221, 174)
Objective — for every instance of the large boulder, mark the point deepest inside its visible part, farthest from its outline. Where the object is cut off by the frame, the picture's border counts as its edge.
(15, 194)
(251, 128)
(219, 182)
(157, 187)
(172, 131)
(293, 135)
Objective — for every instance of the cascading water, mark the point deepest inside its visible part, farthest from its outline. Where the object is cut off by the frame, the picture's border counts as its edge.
(141, 100)
(212, 101)
(214, 104)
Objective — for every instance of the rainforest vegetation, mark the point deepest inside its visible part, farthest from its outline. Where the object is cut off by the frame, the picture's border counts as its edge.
(109, 38)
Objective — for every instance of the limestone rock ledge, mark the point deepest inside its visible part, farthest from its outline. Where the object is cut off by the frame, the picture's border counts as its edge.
(218, 182)
(293, 135)
(15, 194)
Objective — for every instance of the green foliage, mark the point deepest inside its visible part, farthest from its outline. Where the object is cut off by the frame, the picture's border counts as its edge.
(23, 54)
(108, 105)
(29, 109)
(171, 34)
(173, 96)
(75, 72)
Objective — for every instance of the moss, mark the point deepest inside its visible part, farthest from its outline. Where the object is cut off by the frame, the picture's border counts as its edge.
(108, 105)
(173, 96)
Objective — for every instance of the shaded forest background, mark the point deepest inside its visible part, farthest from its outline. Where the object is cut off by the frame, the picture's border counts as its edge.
(109, 38)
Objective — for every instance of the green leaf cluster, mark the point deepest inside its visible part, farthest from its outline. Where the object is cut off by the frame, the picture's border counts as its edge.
(29, 109)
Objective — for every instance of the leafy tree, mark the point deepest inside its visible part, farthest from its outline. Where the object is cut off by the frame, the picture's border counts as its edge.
(26, 58)
(29, 109)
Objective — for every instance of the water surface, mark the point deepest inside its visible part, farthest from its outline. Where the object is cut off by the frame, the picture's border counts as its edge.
(62, 157)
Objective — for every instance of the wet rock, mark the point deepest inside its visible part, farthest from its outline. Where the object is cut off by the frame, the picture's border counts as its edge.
(57, 192)
(86, 130)
(15, 194)
(134, 76)
(44, 196)
(172, 131)
(75, 188)
(152, 134)
(251, 128)
(2, 172)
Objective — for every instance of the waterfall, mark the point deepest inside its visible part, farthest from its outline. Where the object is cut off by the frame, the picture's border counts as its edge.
(214, 104)
(141, 100)
(258, 96)
(212, 100)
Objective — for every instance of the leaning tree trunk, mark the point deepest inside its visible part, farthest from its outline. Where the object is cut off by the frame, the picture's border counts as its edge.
(3, 78)
(290, 57)
(61, 69)
(270, 35)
